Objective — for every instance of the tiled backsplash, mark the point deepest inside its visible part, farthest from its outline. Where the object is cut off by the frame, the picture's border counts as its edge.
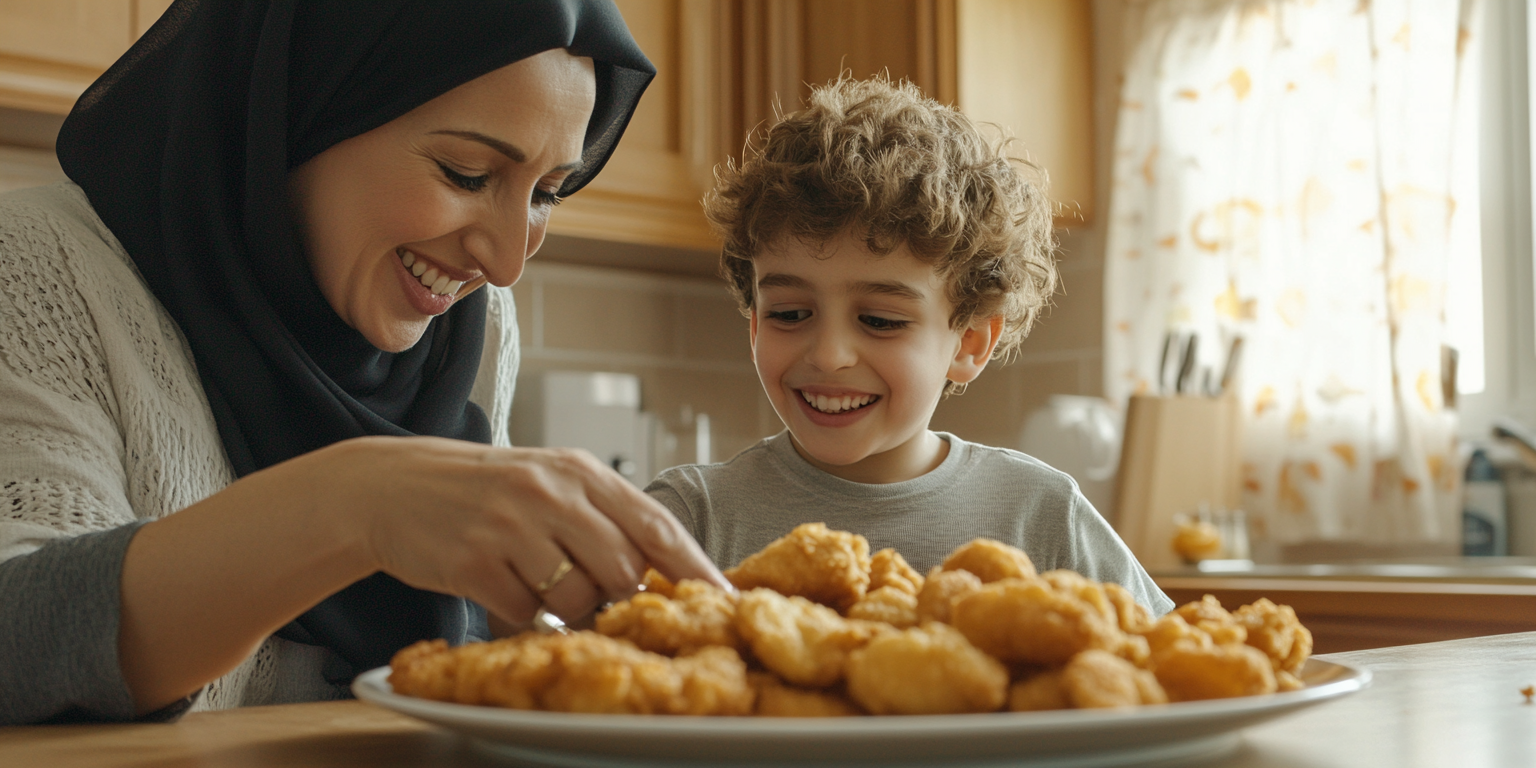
(681, 335)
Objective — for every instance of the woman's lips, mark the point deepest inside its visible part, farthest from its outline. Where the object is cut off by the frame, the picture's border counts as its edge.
(842, 418)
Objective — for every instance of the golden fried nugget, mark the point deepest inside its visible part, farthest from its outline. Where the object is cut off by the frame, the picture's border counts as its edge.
(804, 643)
(425, 670)
(1197, 541)
(931, 670)
(1087, 590)
(940, 590)
(1189, 671)
(1026, 620)
(1132, 616)
(1275, 630)
(990, 560)
(656, 584)
(887, 604)
(775, 699)
(1097, 679)
(1208, 616)
(698, 614)
(586, 672)
(829, 567)
(1038, 693)
(1135, 649)
(887, 568)
(1171, 629)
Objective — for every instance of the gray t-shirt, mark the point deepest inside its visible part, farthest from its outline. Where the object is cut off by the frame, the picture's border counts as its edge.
(738, 507)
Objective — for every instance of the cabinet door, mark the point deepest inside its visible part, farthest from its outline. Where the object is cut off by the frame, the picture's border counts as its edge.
(50, 50)
(649, 191)
(1028, 67)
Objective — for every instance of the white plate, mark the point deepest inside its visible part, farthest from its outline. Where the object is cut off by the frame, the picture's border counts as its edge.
(1078, 737)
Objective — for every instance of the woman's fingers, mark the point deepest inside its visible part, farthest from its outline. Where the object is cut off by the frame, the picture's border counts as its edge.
(503, 593)
(658, 535)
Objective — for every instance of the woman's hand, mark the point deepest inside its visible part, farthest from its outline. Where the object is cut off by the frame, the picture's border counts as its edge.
(492, 524)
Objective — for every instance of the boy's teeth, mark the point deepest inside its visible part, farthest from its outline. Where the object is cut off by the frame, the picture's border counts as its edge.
(837, 404)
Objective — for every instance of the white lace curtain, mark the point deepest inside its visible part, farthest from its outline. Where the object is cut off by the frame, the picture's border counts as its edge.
(1285, 171)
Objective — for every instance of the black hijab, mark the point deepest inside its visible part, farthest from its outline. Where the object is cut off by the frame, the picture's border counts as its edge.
(184, 147)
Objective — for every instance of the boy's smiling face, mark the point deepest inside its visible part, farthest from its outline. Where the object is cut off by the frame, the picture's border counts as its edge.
(854, 350)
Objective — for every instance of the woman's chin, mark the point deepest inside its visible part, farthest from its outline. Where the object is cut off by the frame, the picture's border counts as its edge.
(397, 336)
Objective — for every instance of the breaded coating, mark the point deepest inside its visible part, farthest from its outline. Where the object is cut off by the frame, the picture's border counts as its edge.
(656, 584)
(1087, 590)
(698, 614)
(425, 670)
(887, 568)
(1039, 693)
(1285, 681)
(1208, 616)
(775, 699)
(581, 672)
(940, 590)
(1189, 671)
(829, 567)
(931, 670)
(888, 604)
(1275, 630)
(1133, 617)
(804, 643)
(1171, 629)
(1197, 541)
(990, 560)
(1099, 680)
(1026, 620)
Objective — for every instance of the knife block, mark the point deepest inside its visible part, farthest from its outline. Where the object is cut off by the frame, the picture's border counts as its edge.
(1178, 453)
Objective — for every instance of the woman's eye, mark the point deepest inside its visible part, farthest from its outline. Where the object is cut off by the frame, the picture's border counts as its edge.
(466, 183)
(544, 197)
(882, 323)
(788, 315)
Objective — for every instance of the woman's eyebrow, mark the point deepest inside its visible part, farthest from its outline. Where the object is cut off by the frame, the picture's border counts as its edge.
(512, 152)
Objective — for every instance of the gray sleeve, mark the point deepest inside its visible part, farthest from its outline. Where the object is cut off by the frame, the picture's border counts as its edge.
(58, 635)
(1100, 554)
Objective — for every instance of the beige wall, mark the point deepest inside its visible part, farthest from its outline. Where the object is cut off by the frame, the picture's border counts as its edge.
(681, 335)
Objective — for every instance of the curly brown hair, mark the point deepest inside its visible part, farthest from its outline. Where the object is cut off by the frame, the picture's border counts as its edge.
(877, 157)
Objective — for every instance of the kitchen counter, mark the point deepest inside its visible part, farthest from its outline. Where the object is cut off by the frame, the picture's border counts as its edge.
(1453, 703)
(1371, 604)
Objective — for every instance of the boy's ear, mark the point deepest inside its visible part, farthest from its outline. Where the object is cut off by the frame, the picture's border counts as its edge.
(752, 333)
(976, 345)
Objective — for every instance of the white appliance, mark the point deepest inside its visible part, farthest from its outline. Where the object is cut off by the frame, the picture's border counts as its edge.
(1081, 437)
(595, 411)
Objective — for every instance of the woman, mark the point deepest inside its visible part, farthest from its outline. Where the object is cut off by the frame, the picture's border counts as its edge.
(285, 262)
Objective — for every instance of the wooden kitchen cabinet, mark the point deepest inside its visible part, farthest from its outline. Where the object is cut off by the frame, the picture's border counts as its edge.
(51, 50)
(723, 66)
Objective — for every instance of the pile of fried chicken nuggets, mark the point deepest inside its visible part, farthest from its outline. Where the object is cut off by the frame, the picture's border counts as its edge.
(820, 628)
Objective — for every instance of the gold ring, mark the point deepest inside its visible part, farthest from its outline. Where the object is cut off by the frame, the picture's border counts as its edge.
(561, 570)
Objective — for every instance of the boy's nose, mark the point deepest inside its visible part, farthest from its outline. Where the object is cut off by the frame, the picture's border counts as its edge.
(831, 350)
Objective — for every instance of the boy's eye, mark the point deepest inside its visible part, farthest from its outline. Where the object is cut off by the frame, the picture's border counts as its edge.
(462, 181)
(882, 323)
(788, 315)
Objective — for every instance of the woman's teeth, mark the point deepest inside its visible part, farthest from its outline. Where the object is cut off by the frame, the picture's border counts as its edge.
(429, 277)
(837, 404)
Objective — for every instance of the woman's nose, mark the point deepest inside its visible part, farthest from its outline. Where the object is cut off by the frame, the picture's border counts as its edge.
(831, 349)
(502, 243)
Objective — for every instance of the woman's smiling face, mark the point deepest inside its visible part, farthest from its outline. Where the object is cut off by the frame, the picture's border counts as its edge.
(456, 193)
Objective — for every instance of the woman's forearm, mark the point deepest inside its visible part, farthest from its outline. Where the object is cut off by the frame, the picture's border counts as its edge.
(202, 588)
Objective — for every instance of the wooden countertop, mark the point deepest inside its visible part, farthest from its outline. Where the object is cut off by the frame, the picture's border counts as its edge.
(1441, 704)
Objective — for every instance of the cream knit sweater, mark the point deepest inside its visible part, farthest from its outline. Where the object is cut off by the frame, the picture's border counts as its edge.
(103, 421)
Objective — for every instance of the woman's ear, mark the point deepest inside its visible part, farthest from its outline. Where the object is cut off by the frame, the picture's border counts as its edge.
(976, 345)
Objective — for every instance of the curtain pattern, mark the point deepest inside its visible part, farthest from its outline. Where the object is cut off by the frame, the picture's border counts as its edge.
(1283, 172)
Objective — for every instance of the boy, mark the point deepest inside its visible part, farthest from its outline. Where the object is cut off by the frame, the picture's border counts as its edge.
(884, 252)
